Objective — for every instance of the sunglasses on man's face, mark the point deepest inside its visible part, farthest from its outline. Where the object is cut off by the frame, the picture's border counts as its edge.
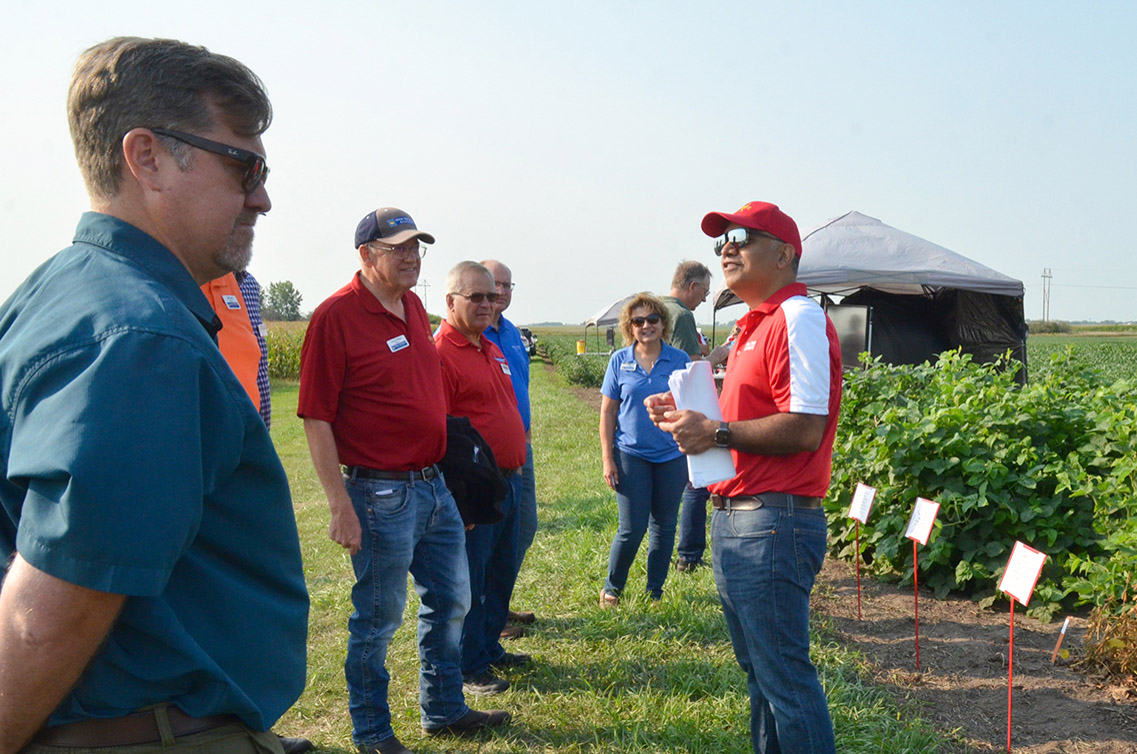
(739, 237)
(479, 297)
(256, 170)
(651, 319)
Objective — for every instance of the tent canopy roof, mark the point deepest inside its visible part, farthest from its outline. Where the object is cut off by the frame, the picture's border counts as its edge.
(854, 251)
(610, 314)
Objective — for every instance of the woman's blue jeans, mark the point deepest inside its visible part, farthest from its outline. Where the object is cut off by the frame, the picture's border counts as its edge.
(765, 562)
(647, 495)
(415, 527)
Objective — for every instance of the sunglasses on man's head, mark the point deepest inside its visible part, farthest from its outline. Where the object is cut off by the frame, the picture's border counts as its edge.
(479, 297)
(739, 237)
(651, 319)
(256, 170)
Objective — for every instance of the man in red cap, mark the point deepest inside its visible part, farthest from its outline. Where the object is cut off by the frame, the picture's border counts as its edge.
(779, 402)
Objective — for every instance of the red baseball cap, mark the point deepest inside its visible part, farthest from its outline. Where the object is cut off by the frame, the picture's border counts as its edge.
(757, 216)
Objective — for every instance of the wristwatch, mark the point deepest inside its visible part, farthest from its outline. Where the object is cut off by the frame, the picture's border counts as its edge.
(722, 435)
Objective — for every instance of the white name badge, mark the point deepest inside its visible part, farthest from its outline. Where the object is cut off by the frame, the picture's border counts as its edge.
(505, 368)
(628, 366)
(231, 301)
(398, 343)
(263, 330)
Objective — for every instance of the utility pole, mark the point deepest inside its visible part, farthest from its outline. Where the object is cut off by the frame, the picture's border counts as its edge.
(1046, 276)
(420, 289)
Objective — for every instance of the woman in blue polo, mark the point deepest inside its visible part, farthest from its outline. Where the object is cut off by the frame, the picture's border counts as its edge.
(641, 462)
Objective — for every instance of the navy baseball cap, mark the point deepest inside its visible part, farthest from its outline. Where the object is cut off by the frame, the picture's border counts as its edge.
(390, 225)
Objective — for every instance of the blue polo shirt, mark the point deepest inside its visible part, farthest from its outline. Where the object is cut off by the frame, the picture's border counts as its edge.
(135, 463)
(627, 382)
(508, 338)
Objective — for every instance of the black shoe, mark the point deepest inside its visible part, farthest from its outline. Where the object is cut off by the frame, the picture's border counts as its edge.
(484, 684)
(295, 745)
(390, 745)
(511, 660)
(686, 566)
(472, 722)
(512, 632)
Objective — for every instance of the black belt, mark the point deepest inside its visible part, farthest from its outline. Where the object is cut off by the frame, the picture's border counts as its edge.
(362, 472)
(507, 473)
(766, 499)
(137, 728)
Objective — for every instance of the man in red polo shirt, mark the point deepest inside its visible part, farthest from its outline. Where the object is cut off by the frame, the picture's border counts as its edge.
(477, 385)
(370, 396)
(779, 400)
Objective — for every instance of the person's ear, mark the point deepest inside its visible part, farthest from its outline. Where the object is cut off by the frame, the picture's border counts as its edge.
(145, 158)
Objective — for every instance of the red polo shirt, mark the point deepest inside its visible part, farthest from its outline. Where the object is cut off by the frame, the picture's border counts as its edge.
(376, 379)
(476, 383)
(786, 359)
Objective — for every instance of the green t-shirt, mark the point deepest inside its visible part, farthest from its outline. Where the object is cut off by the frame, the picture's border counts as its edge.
(684, 335)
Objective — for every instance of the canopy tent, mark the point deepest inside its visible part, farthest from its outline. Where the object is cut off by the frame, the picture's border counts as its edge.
(609, 315)
(924, 298)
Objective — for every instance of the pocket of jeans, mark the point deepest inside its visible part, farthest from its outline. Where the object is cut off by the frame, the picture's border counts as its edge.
(387, 499)
(760, 523)
(809, 551)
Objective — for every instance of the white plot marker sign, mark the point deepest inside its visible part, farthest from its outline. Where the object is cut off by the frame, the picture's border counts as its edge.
(922, 521)
(862, 503)
(1019, 579)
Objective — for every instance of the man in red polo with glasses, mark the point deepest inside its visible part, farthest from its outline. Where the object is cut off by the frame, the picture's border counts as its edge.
(779, 402)
(476, 384)
(371, 397)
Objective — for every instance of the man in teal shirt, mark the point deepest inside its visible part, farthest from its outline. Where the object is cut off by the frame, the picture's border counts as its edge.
(154, 592)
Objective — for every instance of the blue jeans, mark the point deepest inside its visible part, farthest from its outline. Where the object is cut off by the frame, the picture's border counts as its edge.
(491, 552)
(411, 527)
(765, 562)
(693, 524)
(647, 495)
(528, 510)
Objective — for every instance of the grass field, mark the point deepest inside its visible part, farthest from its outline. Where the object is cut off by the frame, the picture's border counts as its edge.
(647, 677)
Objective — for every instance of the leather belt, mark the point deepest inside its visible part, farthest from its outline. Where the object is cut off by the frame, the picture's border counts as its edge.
(763, 500)
(362, 472)
(136, 728)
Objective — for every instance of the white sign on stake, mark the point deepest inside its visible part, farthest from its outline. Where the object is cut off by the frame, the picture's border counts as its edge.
(862, 503)
(923, 517)
(1022, 572)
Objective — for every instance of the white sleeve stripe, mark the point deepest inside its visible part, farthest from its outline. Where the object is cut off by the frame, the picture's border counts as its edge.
(809, 356)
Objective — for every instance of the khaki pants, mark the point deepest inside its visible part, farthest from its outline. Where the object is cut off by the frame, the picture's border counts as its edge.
(227, 739)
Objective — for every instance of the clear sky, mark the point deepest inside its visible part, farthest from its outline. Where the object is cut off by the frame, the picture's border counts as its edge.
(581, 143)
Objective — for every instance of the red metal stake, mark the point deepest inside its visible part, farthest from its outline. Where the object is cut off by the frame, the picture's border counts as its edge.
(1010, 673)
(858, 570)
(916, 592)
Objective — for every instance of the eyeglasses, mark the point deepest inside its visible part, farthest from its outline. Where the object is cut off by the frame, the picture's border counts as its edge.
(505, 286)
(404, 250)
(256, 170)
(479, 297)
(740, 237)
(651, 319)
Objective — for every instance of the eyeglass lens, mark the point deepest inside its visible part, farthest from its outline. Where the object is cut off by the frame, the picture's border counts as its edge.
(479, 297)
(651, 319)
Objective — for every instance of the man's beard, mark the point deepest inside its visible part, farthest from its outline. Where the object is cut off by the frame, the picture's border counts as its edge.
(238, 252)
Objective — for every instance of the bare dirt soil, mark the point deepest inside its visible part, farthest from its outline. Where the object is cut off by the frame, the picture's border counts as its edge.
(961, 686)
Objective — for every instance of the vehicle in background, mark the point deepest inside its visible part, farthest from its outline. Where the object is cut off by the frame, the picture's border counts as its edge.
(529, 339)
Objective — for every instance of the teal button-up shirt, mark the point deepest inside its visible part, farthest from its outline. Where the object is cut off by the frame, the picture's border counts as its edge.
(134, 463)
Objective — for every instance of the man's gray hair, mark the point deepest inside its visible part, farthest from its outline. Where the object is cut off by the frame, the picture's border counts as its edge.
(458, 271)
(689, 271)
